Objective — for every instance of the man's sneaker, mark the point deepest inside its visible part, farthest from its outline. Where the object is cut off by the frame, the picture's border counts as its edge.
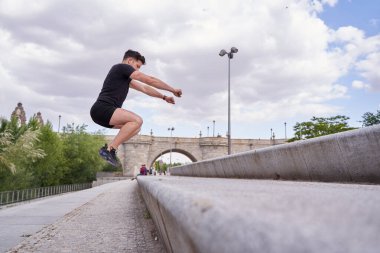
(114, 157)
(103, 151)
(106, 155)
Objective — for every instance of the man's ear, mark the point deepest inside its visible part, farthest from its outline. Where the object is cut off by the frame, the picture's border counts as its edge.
(128, 60)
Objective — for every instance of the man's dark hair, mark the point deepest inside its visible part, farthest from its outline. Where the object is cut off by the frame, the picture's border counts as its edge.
(135, 55)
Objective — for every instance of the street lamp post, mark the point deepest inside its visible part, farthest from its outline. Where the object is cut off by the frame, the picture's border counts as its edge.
(230, 56)
(213, 128)
(171, 129)
(285, 131)
(59, 122)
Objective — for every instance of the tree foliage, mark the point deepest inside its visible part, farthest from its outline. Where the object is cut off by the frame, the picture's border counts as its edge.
(320, 126)
(163, 167)
(32, 155)
(370, 119)
(81, 152)
(50, 170)
(17, 151)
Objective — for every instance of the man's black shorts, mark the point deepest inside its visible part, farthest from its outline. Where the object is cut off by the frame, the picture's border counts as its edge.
(101, 113)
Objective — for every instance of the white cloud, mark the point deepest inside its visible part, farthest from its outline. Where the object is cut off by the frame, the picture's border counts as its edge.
(56, 54)
(357, 84)
(22, 8)
(349, 34)
(369, 68)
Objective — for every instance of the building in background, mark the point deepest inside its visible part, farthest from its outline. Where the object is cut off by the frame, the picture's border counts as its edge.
(20, 114)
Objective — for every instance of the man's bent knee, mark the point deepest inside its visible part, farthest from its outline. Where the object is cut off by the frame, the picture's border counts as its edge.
(136, 124)
(139, 121)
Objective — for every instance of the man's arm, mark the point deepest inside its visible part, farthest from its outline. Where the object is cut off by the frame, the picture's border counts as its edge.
(150, 91)
(155, 82)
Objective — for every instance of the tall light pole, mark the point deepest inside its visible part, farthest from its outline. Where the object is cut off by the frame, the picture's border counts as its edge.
(285, 131)
(230, 55)
(171, 129)
(213, 128)
(59, 122)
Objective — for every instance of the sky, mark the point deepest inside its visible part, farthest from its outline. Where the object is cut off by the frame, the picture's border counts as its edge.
(297, 59)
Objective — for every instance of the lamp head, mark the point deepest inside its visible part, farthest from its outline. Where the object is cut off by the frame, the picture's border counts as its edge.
(234, 50)
(222, 52)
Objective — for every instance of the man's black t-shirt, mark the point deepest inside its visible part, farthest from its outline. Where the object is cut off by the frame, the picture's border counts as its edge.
(116, 85)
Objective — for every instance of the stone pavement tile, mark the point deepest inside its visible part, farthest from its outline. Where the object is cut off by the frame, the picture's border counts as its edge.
(115, 221)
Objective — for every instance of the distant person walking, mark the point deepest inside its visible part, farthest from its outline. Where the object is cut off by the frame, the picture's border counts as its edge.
(107, 111)
(143, 170)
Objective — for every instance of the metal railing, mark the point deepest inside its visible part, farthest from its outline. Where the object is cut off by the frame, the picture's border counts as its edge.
(9, 197)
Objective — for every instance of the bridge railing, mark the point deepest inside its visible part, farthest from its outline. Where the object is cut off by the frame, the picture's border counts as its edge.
(9, 197)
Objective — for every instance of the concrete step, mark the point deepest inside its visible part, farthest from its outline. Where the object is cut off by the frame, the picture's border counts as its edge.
(239, 215)
(352, 156)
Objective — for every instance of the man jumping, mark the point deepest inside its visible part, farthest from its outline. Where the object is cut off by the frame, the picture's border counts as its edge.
(107, 110)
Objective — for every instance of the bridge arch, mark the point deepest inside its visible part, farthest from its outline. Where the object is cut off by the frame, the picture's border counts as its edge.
(174, 150)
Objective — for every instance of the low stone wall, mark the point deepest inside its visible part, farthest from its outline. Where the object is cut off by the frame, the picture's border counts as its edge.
(352, 156)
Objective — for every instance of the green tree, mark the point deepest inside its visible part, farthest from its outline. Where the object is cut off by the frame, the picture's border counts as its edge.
(110, 168)
(81, 153)
(164, 167)
(32, 155)
(17, 146)
(370, 119)
(17, 150)
(157, 165)
(13, 128)
(320, 126)
(160, 167)
(50, 170)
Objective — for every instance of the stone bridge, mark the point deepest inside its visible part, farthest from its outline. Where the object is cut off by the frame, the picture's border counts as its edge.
(145, 149)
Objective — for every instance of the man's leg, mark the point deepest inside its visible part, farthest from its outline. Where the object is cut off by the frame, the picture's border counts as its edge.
(129, 124)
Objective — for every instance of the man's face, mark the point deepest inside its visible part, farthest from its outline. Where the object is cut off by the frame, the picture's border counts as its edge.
(134, 63)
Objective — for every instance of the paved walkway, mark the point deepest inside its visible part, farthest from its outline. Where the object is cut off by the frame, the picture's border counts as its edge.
(108, 218)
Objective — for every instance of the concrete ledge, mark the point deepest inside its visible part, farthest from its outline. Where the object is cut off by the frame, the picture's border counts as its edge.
(352, 156)
(237, 215)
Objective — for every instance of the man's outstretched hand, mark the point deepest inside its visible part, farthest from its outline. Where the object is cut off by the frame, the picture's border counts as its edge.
(177, 92)
(170, 100)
